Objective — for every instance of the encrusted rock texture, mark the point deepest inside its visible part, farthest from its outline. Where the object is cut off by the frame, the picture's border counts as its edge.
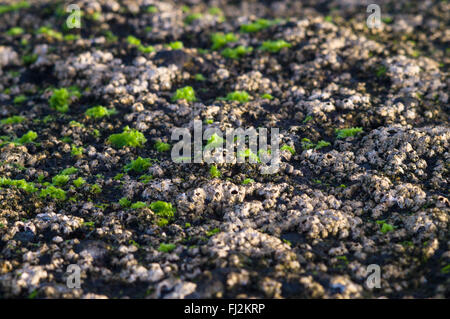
(374, 191)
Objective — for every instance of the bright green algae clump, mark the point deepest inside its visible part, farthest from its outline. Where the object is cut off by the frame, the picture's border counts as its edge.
(219, 39)
(138, 165)
(14, 6)
(15, 119)
(129, 137)
(258, 25)
(240, 96)
(53, 192)
(99, 112)
(166, 248)
(187, 93)
(163, 209)
(61, 99)
(237, 52)
(214, 172)
(28, 137)
(274, 46)
(347, 132)
(19, 183)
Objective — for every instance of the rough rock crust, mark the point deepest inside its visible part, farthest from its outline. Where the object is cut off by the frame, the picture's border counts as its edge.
(378, 197)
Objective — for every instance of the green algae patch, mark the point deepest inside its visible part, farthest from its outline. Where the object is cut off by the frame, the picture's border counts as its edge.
(138, 165)
(79, 182)
(258, 25)
(15, 119)
(214, 141)
(28, 137)
(19, 183)
(53, 192)
(166, 248)
(69, 171)
(61, 99)
(220, 39)
(267, 96)
(187, 93)
(274, 46)
(248, 181)
(99, 111)
(138, 205)
(348, 132)
(129, 137)
(15, 31)
(163, 209)
(214, 172)
(176, 45)
(286, 147)
(14, 7)
(162, 147)
(60, 180)
(124, 202)
(237, 52)
(240, 96)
